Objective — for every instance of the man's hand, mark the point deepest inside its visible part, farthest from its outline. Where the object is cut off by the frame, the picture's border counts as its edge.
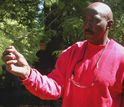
(15, 62)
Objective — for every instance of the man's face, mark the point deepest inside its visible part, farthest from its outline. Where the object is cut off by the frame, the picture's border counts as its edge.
(43, 46)
(94, 26)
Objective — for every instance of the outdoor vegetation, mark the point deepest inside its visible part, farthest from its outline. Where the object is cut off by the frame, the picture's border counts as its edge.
(23, 23)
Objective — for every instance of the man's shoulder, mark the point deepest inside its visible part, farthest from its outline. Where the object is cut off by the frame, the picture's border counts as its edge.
(117, 48)
(75, 47)
(80, 43)
(117, 45)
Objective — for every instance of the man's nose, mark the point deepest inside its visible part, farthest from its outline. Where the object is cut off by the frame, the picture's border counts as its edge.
(88, 24)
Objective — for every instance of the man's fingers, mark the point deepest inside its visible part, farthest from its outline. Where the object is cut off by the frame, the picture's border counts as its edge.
(15, 52)
(7, 57)
(18, 71)
(11, 62)
(10, 50)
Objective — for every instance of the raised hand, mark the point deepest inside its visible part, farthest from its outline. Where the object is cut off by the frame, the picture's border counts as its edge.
(15, 62)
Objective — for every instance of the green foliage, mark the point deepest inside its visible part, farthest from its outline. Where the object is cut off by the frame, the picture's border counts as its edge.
(22, 25)
(72, 28)
(13, 37)
(19, 27)
(57, 53)
(117, 31)
(23, 11)
(71, 23)
(3, 44)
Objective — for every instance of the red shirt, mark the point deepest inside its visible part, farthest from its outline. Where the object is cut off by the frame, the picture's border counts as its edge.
(108, 88)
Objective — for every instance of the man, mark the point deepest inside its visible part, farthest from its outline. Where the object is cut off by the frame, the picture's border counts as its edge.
(46, 60)
(88, 74)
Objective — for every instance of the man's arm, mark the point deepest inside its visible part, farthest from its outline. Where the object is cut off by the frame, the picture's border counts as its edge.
(44, 87)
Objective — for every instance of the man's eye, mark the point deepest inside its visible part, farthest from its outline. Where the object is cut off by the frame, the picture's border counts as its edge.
(94, 20)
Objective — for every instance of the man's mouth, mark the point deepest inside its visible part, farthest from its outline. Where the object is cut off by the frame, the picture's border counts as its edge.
(89, 31)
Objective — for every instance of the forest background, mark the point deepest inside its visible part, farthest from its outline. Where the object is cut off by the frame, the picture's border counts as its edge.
(23, 23)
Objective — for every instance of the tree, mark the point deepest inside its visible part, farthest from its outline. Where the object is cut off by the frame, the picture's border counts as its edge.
(66, 17)
(59, 22)
(19, 27)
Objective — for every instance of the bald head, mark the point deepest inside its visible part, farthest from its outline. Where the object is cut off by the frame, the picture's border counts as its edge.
(103, 9)
(98, 20)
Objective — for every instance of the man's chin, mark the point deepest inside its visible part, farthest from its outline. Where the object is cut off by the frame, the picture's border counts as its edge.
(89, 36)
(89, 39)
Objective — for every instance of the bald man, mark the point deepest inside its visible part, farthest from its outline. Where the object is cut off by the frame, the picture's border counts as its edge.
(87, 74)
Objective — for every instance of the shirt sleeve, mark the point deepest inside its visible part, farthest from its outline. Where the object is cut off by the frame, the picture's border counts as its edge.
(51, 86)
(41, 86)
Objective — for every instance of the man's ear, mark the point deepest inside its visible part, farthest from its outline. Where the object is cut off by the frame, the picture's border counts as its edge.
(109, 24)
